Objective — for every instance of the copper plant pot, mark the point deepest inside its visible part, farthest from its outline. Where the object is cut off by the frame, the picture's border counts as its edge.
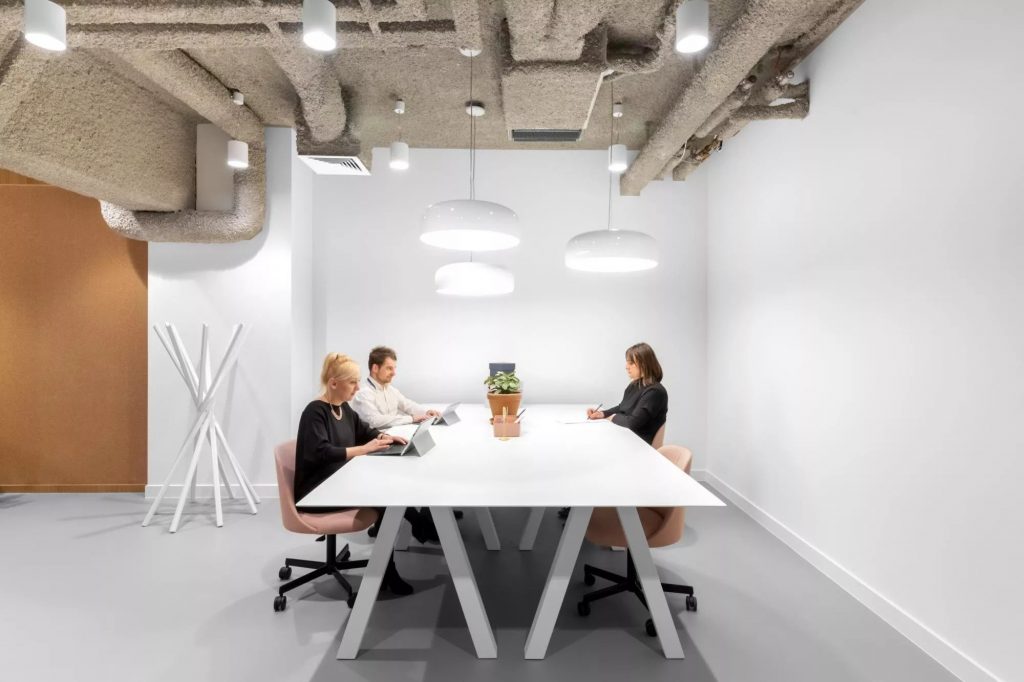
(507, 401)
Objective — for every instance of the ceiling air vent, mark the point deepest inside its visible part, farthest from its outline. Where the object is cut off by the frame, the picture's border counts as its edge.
(336, 165)
(545, 135)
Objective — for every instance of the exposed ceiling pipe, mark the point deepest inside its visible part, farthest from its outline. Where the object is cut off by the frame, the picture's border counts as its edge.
(315, 80)
(716, 129)
(190, 83)
(208, 227)
(754, 32)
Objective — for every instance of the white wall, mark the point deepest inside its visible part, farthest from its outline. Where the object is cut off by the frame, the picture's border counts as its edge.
(249, 282)
(866, 319)
(567, 331)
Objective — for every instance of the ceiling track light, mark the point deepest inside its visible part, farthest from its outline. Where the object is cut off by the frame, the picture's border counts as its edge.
(237, 97)
(46, 25)
(692, 26)
(320, 25)
(238, 154)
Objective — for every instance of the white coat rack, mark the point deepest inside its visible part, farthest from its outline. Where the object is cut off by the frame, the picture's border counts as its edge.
(203, 389)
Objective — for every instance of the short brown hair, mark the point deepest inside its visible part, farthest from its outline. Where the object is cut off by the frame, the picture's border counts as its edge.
(379, 354)
(642, 355)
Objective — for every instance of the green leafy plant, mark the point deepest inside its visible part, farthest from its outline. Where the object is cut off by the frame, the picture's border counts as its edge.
(502, 382)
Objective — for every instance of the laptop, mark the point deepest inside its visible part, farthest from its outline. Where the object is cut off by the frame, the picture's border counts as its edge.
(418, 444)
(449, 416)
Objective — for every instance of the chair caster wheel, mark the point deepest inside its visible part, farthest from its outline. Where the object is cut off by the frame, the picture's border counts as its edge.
(280, 601)
(691, 603)
(284, 572)
(583, 608)
(651, 630)
(588, 579)
(351, 601)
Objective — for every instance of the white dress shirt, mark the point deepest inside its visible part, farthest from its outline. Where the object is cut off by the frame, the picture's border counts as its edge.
(384, 406)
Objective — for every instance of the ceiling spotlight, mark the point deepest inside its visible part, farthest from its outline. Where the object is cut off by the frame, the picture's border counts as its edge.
(319, 25)
(237, 97)
(617, 158)
(475, 109)
(399, 156)
(616, 152)
(238, 154)
(692, 26)
(399, 106)
(46, 25)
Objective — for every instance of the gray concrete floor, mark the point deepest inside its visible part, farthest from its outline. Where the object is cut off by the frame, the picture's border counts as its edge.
(90, 595)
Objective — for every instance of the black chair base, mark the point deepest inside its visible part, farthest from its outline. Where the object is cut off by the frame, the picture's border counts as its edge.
(335, 563)
(627, 583)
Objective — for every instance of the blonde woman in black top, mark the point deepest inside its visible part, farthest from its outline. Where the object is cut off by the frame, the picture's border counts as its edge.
(331, 434)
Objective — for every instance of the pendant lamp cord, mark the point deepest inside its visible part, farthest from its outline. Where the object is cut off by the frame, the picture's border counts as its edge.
(611, 141)
(472, 135)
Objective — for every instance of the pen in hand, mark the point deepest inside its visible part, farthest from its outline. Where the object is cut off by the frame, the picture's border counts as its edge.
(596, 409)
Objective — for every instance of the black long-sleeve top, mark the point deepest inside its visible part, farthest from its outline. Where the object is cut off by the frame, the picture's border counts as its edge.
(323, 442)
(643, 409)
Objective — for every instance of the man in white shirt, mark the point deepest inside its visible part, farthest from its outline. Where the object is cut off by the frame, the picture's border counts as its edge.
(380, 404)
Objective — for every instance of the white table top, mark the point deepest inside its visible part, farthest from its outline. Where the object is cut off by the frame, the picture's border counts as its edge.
(552, 464)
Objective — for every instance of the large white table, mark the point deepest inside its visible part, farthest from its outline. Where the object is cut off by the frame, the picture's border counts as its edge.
(553, 464)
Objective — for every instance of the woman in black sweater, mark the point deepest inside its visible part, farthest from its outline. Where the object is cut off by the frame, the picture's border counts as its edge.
(644, 405)
(332, 434)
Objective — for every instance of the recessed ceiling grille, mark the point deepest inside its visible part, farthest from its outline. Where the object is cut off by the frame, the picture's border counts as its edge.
(336, 165)
(545, 135)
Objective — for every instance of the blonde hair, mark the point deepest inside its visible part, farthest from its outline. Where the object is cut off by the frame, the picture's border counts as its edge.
(338, 366)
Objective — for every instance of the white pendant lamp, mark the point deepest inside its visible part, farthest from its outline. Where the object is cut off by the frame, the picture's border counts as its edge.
(612, 250)
(470, 224)
(238, 154)
(46, 25)
(692, 26)
(319, 25)
(473, 279)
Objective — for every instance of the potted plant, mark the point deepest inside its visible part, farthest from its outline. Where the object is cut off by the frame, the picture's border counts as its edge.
(503, 393)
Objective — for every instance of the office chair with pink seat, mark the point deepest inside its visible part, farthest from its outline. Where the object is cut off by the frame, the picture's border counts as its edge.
(662, 526)
(329, 525)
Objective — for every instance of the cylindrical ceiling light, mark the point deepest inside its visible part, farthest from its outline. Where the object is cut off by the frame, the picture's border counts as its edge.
(470, 225)
(612, 251)
(238, 154)
(692, 26)
(617, 158)
(46, 25)
(399, 156)
(473, 279)
(319, 24)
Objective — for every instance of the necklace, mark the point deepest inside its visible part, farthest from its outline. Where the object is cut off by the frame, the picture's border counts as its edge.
(337, 415)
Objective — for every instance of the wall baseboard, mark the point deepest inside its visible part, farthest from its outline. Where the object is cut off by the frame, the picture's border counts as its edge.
(204, 491)
(72, 488)
(947, 655)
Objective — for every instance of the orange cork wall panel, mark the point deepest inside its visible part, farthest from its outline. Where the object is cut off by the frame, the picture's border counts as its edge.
(73, 346)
